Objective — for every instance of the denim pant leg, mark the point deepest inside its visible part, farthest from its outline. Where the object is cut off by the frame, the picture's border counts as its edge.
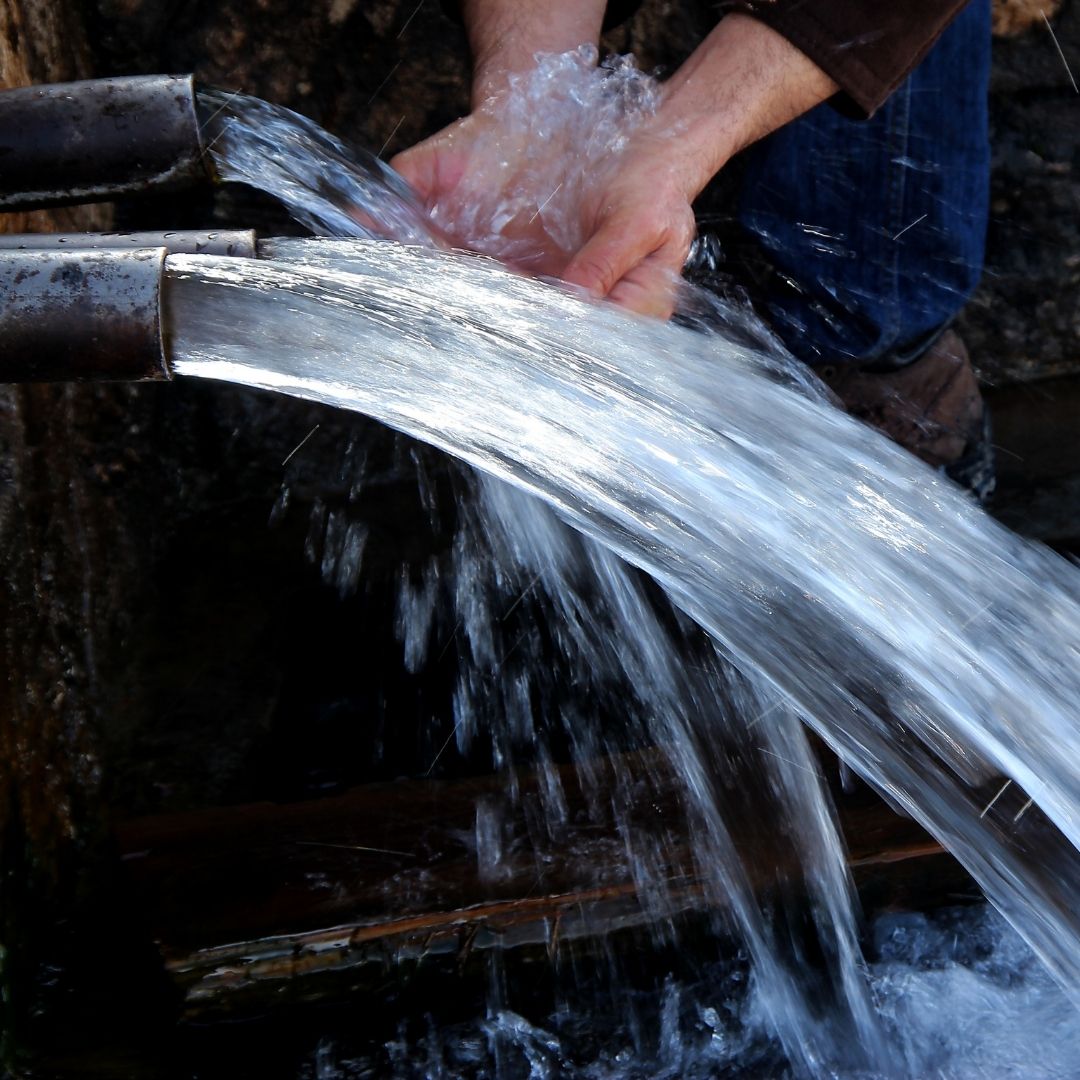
(877, 227)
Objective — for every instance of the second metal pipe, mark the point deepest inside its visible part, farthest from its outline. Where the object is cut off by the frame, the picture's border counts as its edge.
(78, 316)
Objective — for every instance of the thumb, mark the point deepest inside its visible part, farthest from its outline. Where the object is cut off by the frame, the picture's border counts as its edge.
(614, 249)
(416, 167)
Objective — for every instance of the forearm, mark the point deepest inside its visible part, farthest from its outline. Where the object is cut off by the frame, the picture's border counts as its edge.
(504, 35)
(741, 83)
(868, 46)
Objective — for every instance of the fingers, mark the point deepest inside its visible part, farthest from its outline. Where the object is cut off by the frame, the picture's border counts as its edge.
(637, 246)
(650, 288)
(635, 265)
(435, 166)
(613, 250)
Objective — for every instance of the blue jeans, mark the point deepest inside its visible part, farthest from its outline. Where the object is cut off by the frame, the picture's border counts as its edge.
(877, 227)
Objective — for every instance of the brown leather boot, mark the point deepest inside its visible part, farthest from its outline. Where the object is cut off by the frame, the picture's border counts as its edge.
(932, 407)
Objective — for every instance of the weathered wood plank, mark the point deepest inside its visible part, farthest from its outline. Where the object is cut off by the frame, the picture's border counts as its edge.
(266, 902)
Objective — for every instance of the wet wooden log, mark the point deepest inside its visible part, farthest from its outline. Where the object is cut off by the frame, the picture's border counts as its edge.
(270, 904)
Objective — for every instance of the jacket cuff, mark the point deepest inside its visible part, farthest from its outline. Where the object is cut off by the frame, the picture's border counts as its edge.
(866, 52)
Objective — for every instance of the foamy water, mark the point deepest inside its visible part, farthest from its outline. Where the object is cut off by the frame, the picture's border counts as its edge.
(961, 995)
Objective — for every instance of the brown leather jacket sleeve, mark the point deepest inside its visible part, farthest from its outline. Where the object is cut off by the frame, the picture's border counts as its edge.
(866, 46)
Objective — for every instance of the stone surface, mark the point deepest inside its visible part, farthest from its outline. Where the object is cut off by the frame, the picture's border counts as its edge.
(1024, 323)
(55, 580)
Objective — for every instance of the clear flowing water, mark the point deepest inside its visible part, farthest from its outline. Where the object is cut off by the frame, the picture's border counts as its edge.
(843, 585)
(332, 188)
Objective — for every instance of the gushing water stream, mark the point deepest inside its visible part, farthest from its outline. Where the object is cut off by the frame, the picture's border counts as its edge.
(853, 588)
(930, 647)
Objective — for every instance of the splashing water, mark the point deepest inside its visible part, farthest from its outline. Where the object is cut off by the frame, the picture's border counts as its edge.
(328, 186)
(852, 587)
(896, 618)
(537, 149)
(962, 996)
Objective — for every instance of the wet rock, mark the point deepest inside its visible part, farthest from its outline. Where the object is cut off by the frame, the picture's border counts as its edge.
(1024, 323)
(59, 610)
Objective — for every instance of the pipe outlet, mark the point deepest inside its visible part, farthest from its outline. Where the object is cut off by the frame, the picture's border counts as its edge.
(81, 315)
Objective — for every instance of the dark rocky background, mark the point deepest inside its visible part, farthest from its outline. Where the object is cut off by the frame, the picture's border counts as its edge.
(1025, 321)
(162, 644)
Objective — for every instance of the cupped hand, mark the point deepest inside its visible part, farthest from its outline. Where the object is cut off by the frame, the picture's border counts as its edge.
(434, 167)
(637, 227)
(559, 182)
(619, 228)
(478, 179)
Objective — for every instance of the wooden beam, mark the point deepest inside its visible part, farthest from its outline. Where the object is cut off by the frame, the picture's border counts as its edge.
(281, 903)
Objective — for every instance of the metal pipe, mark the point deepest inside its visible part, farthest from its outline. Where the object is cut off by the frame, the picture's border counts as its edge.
(99, 139)
(236, 242)
(81, 315)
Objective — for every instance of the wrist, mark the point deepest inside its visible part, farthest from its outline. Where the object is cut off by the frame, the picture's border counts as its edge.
(506, 35)
(743, 82)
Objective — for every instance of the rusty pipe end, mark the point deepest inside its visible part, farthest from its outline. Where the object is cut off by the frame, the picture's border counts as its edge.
(82, 316)
(98, 139)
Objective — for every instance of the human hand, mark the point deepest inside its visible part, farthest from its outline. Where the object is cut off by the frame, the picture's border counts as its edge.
(743, 82)
(474, 178)
(637, 225)
(623, 234)
(561, 174)
(598, 190)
